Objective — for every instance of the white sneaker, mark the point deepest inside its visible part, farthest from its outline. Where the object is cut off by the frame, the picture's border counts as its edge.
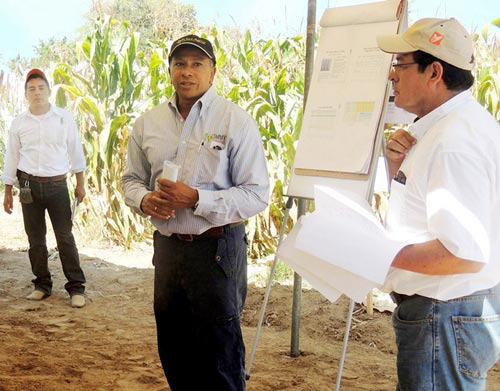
(37, 295)
(77, 301)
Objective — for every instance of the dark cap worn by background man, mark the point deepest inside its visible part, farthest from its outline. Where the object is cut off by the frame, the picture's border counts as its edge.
(193, 40)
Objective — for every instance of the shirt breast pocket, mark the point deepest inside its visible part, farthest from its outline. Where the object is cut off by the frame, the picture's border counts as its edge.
(397, 212)
(29, 136)
(55, 135)
(212, 163)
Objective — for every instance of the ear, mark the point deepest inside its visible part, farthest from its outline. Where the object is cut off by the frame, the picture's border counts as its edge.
(436, 70)
(212, 76)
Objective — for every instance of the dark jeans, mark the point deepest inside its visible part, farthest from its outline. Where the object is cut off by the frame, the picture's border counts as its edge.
(200, 289)
(53, 197)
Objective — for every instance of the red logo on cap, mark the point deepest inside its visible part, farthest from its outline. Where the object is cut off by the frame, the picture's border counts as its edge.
(436, 38)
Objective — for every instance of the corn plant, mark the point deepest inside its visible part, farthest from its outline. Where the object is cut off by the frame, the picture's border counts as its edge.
(114, 82)
(487, 83)
(266, 78)
(112, 85)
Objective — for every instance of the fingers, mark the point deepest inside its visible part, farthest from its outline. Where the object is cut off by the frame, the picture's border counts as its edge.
(153, 205)
(178, 195)
(162, 213)
(8, 204)
(400, 143)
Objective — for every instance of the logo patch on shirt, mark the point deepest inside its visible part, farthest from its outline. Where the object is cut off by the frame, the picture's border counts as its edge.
(216, 141)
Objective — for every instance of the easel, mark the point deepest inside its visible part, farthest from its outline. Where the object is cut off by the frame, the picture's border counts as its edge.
(368, 187)
(294, 348)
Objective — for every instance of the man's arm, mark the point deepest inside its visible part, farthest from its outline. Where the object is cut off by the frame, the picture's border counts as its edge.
(80, 186)
(434, 259)
(8, 201)
(137, 174)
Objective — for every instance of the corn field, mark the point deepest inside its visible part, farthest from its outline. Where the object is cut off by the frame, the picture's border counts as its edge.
(112, 82)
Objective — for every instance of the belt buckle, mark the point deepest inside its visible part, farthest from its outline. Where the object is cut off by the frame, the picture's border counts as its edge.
(186, 237)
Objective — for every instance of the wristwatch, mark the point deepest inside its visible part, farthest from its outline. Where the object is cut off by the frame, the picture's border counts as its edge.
(197, 201)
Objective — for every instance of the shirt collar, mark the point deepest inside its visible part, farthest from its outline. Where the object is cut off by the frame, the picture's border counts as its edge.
(53, 110)
(419, 128)
(204, 102)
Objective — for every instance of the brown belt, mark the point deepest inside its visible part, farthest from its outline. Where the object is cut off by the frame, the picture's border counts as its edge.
(41, 179)
(214, 232)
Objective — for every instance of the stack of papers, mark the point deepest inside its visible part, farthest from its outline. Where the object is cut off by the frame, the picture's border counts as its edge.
(340, 248)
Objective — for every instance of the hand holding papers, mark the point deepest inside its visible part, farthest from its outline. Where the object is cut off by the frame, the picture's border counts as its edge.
(170, 171)
(341, 247)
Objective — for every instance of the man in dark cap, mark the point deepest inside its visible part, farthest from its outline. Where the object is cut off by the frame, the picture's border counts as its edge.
(445, 197)
(199, 242)
(44, 145)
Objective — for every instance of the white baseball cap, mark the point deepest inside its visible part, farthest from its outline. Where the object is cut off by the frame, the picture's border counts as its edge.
(445, 39)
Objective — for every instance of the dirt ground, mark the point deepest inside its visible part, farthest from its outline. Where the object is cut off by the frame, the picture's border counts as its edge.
(110, 343)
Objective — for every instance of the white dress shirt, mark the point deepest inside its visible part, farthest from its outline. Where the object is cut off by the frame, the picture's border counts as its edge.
(43, 145)
(452, 193)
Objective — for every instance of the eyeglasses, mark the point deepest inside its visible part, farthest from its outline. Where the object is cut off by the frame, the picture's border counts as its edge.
(395, 65)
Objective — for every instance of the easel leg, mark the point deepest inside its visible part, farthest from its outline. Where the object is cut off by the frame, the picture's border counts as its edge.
(297, 297)
(344, 349)
(289, 205)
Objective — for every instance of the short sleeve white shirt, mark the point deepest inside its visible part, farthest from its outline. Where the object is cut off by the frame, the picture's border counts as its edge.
(452, 193)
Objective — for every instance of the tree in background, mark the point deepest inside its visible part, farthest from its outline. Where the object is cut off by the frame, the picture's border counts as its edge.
(155, 19)
(53, 51)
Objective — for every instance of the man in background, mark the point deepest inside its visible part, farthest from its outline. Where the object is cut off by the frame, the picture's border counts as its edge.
(200, 241)
(445, 196)
(44, 145)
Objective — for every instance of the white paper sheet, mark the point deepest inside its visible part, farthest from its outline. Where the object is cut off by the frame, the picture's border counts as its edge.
(74, 208)
(310, 268)
(340, 246)
(362, 13)
(345, 99)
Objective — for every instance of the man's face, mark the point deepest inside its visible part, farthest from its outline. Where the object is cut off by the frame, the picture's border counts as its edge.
(409, 85)
(192, 73)
(37, 93)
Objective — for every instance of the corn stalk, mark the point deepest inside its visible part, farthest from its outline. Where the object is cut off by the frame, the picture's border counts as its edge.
(487, 83)
(112, 85)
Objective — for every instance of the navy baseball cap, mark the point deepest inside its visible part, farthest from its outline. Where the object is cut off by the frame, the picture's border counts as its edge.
(193, 40)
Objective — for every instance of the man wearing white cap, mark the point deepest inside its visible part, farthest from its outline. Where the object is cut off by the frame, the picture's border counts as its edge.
(445, 196)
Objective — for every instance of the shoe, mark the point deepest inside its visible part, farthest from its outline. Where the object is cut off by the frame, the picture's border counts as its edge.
(77, 301)
(37, 295)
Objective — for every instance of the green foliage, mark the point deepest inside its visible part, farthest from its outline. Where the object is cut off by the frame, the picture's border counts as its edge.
(155, 19)
(266, 78)
(487, 71)
(114, 77)
(114, 81)
(53, 50)
(108, 89)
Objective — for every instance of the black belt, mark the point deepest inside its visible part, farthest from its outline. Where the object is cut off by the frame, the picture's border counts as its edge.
(42, 179)
(214, 232)
(398, 298)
